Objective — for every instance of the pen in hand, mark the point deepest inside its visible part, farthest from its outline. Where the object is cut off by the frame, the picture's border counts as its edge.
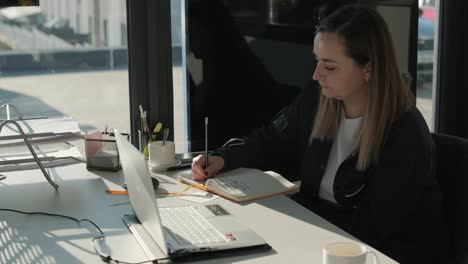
(206, 142)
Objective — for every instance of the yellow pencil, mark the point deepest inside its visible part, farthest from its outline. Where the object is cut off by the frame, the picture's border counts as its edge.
(193, 184)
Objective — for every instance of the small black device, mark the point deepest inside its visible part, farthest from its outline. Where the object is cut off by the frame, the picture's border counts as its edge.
(180, 167)
(154, 180)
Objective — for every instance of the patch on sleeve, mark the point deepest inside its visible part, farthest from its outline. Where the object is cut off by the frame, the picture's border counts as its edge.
(280, 122)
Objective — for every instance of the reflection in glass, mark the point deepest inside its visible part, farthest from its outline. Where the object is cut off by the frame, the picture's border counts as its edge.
(226, 80)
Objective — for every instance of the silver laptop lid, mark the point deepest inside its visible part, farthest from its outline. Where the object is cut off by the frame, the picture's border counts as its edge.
(140, 189)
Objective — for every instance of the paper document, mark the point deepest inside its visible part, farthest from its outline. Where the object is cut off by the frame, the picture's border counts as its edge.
(199, 197)
(53, 124)
(58, 128)
(50, 157)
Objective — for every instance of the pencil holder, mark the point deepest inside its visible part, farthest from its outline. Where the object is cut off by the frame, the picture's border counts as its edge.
(143, 139)
(102, 152)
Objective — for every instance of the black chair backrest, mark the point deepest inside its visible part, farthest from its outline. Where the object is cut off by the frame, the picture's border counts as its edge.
(452, 174)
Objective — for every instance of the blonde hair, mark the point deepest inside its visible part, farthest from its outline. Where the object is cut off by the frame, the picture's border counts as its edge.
(368, 42)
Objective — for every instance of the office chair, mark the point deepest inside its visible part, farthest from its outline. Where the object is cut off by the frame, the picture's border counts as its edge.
(452, 174)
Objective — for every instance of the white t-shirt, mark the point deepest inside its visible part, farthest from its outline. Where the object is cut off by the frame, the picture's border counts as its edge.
(342, 147)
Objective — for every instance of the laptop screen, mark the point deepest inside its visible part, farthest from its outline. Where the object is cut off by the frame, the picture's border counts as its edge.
(140, 189)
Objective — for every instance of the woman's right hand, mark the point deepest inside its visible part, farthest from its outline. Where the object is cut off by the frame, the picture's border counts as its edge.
(200, 173)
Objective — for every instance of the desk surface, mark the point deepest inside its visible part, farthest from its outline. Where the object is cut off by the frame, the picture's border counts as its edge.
(295, 233)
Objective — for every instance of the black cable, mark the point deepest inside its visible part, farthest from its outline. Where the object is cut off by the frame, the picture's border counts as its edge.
(104, 257)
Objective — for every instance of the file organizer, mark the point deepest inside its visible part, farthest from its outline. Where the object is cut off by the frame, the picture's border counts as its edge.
(26, 137)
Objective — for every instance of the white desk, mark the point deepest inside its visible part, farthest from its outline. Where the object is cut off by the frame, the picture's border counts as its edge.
(295, 233)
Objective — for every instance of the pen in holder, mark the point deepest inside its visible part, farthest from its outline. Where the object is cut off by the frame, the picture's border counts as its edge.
(143, 139)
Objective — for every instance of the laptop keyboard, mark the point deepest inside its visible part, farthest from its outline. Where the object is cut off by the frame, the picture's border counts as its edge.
(187, 226)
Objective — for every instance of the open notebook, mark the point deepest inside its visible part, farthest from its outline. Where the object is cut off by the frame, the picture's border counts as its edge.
(243, 184)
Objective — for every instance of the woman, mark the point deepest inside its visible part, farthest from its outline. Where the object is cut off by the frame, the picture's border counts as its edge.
(363, 151)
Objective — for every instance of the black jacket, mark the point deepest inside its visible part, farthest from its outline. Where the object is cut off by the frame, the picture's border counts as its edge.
(394, 206)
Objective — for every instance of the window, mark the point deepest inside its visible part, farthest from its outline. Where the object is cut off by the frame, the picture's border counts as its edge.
(49, 66)
(78, 16)
(179, 75)
(223, 70)
(426, 59)
(78, 28)
(104, 32)
(123, 34)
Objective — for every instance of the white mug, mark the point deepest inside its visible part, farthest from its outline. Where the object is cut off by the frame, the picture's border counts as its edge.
(346, 253)
(160, 155)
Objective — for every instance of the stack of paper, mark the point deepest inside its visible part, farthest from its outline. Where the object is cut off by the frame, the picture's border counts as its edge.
(40, 130)
(49, 138)
(60, 156)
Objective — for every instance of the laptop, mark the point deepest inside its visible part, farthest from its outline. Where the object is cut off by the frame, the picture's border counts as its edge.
(179, 230)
